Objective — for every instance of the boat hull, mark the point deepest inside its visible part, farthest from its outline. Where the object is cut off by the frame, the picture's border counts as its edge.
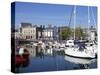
(80, 57)
(79, 54)
(79, 60)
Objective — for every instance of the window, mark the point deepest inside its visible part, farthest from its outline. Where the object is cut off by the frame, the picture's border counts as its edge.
(31, 37)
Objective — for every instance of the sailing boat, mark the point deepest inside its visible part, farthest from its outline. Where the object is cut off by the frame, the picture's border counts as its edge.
(92, 44)
(74, 50)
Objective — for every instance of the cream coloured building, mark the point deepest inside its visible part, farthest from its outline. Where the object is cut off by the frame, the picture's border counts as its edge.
(27, 31)
(48, 33)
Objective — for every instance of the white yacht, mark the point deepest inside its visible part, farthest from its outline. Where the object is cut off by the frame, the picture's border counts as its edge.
(78, 51)
(91, 46)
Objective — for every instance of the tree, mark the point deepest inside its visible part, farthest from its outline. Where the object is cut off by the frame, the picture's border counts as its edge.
(65, 33)
(78, 33)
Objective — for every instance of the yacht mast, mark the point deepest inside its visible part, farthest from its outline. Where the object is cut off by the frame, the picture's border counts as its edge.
(94, 21)
(74, 20)
(88, 20)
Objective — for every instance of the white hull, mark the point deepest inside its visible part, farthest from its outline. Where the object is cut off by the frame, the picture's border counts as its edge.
(79, 60)
(92, 48)
(21, 51)
(80, 54)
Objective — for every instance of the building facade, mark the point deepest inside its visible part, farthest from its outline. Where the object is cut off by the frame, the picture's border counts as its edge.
(48, 33)
(93, 33)
(39, 32)
(27, 31)
(55, 33)
(90, 34)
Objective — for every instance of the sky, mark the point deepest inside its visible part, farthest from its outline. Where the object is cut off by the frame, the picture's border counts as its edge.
(55, 14)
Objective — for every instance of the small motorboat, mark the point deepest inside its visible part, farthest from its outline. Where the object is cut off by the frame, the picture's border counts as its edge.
(21, 51)
(69, 43)
(62, 45)
(23, 56)
(21, 61)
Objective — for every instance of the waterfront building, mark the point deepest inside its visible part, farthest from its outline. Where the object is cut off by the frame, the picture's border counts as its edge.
(90, 34)
(48, 33)
(55, 33)
(17, 35)
(27, 31)
(39, 32)
(93, 33)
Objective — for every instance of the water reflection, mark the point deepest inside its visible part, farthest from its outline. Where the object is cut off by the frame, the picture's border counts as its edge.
(83, 63)
(21, 62)
(51, 60)
(38, 51)
(79, 60)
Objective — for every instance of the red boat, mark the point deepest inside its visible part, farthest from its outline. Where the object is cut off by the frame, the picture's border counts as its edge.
(19, 59)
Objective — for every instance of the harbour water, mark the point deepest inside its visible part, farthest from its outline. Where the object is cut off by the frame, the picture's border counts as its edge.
(39, 61)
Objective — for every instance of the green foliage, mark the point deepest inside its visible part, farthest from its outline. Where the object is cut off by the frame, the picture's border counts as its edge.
(78, 33)
(65, 33)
